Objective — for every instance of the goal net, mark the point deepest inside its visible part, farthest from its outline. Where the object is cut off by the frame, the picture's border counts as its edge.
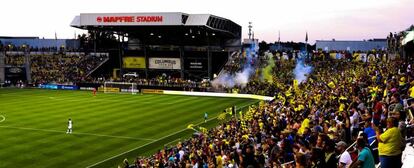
(120, 87)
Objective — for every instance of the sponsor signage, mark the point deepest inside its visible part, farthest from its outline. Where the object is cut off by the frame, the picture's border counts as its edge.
(48, 86)
(61, 87)
(68, 87)
(15, 73)
(15, 70)
(130, 19)
(86, 88)
(134, 62)
(195, 64)
(108, 89)
(152, 91)
(164, 63)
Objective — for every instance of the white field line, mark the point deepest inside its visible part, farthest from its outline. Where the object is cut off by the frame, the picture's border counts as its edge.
(105, 100)
(2, 118)
(146, 144)
(95, 99)
(78, 133)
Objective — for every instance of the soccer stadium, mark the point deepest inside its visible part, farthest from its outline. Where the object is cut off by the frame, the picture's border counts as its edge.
(175, 89)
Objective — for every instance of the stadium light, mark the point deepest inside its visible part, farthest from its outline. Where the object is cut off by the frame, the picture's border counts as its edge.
(213, 34)
(186, 34)
(192, 36)
(151, 34)
(159, 36)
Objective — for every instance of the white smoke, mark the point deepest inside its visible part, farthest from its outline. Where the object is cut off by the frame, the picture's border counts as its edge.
(225, 80)
(242, 77)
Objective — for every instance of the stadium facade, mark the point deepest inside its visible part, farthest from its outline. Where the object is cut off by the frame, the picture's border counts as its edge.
(190, 46)
(366, 45)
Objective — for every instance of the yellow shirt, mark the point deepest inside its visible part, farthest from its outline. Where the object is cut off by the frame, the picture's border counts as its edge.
(391, 142)
(411, 92)
(219, 161)
(304, 124)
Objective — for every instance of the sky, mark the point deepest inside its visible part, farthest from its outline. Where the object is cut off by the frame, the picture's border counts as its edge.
(322, 19)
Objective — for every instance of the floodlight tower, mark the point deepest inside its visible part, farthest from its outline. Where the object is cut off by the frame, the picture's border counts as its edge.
(250, 30)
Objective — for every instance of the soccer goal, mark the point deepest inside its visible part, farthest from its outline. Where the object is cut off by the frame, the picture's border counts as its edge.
(120, 87)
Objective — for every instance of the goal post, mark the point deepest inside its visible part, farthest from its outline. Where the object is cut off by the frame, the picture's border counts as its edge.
(120, 87)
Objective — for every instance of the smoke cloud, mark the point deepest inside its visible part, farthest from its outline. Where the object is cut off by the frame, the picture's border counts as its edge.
(268, 70)
(242, 77)
(301, 70)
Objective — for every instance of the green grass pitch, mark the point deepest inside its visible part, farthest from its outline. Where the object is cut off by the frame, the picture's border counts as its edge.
(107, 128)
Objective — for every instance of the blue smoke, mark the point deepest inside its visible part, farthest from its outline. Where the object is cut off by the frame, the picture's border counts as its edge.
(302, 70)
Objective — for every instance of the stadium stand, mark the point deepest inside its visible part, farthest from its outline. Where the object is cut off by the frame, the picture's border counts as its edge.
(63, 69)
(51, 66)
(304, 125)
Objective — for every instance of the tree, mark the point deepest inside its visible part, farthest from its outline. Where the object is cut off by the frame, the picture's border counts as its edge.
(263, 46)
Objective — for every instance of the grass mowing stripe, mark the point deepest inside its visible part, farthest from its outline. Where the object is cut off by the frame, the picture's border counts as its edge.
(112, 161)
(106, 114)
(77, 133)
(115, 119)
(147, 122)
(93, 165)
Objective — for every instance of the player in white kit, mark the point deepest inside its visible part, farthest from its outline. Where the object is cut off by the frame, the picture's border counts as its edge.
(69, 131)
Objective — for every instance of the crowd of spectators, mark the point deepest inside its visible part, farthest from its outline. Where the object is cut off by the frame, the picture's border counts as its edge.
(285, 62)
(14, 60)
(317, 123)
(62, 69)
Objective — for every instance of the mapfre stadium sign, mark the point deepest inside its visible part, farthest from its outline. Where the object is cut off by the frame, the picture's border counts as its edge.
(129, 19)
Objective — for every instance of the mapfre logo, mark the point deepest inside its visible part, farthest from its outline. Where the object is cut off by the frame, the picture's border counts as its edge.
(99, 19)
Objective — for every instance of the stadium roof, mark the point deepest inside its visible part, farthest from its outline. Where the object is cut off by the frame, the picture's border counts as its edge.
(10, 37)
(133, 22)
(379, 44)
(409, 37)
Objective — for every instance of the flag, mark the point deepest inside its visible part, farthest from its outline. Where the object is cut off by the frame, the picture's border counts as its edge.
(306, 38)
(221, 116)
(331, 84)
(229, 111)
(295, 84)
(241, 115)
(190, 126)
(203, 130)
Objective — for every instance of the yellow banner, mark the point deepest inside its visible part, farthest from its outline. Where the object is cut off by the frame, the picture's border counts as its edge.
(108, 89)
(134, 62)
(153, 91)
